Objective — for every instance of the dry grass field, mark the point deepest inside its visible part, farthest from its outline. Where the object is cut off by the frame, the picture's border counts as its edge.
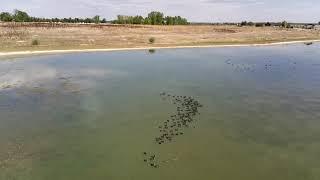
(31, 36)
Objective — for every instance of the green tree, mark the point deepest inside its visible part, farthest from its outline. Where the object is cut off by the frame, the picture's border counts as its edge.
(20, 16)
(147, 20)
(120, 19)
(244, 23)
(250, 23)
(156, 18)
(104, 20)
(169, 20)
(268, 24)
(96, 19)
(284, 24)
(180, 21)
(5, 16)
(260, 25)
(88, 20)
(138, 20)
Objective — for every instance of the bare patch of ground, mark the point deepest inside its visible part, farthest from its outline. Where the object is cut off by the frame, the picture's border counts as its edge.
(19, 37)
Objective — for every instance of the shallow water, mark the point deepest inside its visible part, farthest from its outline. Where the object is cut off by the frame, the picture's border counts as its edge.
(92, 115)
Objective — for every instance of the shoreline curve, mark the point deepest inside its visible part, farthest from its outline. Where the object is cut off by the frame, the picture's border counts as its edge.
(44, 52)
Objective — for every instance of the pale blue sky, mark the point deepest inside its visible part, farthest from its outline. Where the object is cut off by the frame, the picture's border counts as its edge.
(194, 10)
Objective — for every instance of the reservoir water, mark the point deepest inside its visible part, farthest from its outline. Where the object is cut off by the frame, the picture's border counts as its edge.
(248, 113)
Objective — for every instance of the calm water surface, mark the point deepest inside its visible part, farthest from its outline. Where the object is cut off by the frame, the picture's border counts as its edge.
(92, 115)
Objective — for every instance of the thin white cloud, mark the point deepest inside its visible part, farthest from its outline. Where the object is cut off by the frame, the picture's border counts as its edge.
(195, 10)
(33, 75)
(13, 78)
(232, 1)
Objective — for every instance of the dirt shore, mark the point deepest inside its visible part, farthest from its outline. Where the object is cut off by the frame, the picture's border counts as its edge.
(17, 38)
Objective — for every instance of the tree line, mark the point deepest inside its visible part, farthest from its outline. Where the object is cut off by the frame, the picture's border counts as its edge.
(283, 24)
(153, 18)
(21, 16)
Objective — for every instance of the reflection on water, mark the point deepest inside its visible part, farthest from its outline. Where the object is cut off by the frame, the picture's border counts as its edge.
(99, 115)
(152, 51)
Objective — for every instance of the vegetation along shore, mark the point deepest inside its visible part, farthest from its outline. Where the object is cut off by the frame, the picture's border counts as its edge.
(20, 32)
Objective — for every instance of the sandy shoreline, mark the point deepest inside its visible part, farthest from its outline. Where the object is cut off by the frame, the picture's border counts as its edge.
(21, 53)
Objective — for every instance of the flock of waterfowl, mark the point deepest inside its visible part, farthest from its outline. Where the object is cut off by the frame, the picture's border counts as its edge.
(266, 66)
(241, 67)
(186, 110)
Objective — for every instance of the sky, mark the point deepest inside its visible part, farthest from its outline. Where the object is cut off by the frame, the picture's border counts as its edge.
(193, 10)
